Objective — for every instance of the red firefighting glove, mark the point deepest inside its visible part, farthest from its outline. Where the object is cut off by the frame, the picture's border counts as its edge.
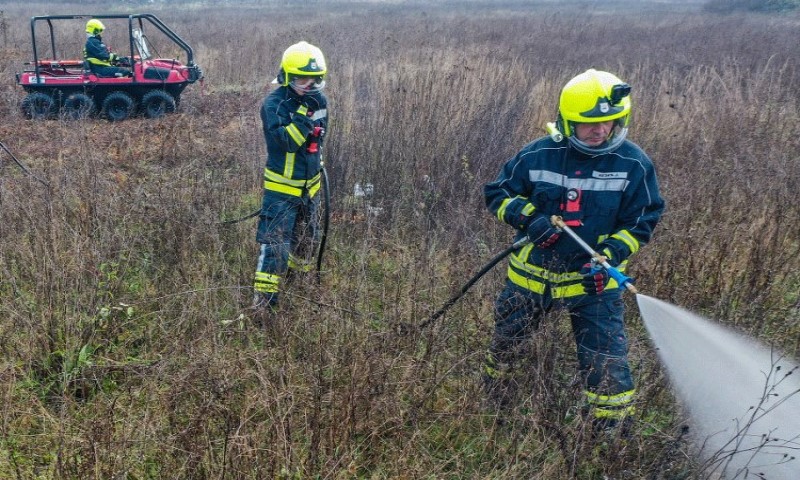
(595, 278)
(541, 232)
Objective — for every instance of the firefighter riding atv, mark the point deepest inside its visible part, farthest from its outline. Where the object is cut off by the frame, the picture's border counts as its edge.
(152, 86)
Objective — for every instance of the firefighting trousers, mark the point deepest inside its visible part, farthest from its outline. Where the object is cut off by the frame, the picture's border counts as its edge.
(598, 329)
(286, 229)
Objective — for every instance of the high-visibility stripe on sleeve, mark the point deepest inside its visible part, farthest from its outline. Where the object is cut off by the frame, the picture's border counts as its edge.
(502, 210)
(294, 132)
(625, 237)
(527, 209)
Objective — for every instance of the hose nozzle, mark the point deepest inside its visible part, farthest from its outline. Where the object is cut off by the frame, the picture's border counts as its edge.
(621, 278)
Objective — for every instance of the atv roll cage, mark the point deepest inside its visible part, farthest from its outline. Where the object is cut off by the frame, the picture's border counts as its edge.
(136, 46)
(152, 87)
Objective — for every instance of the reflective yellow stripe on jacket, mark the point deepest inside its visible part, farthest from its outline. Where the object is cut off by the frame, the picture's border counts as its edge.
(536, 279)
(294, 132)
(97, 61)
(629, 240)
(296, 188)
(527, 210)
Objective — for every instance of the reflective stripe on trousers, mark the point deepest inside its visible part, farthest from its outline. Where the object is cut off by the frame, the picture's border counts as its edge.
(281, 226)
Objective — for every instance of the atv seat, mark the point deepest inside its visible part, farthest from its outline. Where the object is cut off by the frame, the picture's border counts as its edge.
(108, 72)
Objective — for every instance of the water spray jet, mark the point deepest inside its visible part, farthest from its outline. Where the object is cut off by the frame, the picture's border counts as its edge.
(745, 410)
(742, 397)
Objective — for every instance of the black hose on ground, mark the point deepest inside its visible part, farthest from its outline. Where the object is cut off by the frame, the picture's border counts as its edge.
(494, 261)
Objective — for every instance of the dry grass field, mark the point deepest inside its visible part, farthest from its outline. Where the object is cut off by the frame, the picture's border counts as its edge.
(126, 351)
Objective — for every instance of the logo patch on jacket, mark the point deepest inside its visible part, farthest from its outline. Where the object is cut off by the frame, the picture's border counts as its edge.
(607, 175)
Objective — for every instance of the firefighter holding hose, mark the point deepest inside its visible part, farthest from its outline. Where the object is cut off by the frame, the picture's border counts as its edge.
(605, 189)
(294, 118)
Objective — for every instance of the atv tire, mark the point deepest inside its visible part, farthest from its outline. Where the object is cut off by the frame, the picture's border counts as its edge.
(38, 106)
(78, 106)
(118, 106)
(157, 103)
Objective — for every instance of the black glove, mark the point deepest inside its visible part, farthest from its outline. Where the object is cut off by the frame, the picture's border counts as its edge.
(541, 232)
(303, 123)
(595, 278)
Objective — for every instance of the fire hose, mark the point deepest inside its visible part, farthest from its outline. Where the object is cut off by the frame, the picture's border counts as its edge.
(494, 261)
(326, 219)
(23, 167)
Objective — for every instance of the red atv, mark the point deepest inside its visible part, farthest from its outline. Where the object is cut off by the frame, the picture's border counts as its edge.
(68, 86)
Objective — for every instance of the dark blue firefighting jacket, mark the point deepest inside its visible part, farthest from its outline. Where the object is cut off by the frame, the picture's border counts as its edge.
(611, 201)
(291, 168)
(96, 52)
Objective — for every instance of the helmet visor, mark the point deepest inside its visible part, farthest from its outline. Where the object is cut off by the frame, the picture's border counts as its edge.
(614, 140)
(307, 83)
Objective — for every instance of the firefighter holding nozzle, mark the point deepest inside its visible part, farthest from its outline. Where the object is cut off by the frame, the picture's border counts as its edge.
(605, 189)
(294, 117)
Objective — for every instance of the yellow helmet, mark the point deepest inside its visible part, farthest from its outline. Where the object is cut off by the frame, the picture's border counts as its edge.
(305, 61)
(94, 27)
(593, 97)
